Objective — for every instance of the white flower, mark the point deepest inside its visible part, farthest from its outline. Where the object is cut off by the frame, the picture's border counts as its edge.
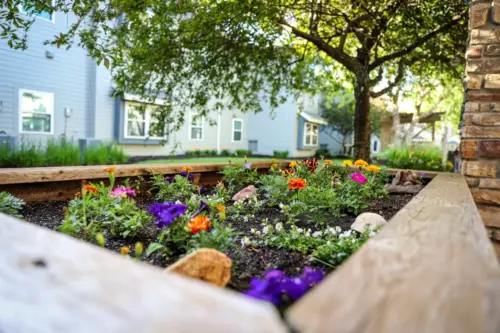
(245, 218)
(345, 234)
(257, 232)
(353, 240)
(317, 234)
(300, 230)
(308, 233)
(372, 233)
(331, 230)
(245, 241)
(281, 205)
(338, 229)
(265, 230)
(279, 226)
(252, 231)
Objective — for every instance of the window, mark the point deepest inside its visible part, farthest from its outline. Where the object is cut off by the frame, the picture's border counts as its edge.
(196, 126)
(237, 130)
(44, 15)
(36, 111)
(311, 134)
(141, 122)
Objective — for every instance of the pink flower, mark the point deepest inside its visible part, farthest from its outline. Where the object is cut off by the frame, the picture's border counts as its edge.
(358, 177)
(123, 192)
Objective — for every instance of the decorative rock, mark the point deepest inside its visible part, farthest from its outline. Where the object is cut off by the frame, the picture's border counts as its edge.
(204, 264)
(366, 219)
(245, 193)
(404, 188)
(405, 177)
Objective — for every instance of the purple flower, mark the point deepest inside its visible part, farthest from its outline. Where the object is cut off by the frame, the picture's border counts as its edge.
(202, 189)
(203, 207)
(422, 174)
(187, 175)
(166, 213)
(170, 179)
(276, 286)
(247, 165)
(358, 177)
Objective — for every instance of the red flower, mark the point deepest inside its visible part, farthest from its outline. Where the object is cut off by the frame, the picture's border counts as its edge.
(296, 184)
(91, 188)
(311, 164)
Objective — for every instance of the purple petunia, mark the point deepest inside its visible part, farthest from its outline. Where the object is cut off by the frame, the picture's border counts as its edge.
(187, 175)
(203, 207)
(166, 213)
(277, 286)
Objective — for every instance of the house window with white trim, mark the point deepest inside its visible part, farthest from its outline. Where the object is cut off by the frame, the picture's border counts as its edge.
(36, 111)
(141, 122)
(311, 134)
(196, 126)
(42, 14)
(237, 130)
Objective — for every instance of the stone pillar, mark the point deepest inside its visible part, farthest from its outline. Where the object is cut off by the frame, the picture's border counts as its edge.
(386, 133)
(480, 145)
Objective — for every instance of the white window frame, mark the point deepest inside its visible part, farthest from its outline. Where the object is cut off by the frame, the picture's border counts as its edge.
(53, 15)
(234, 130)
(20, 111)
(305, 134)
(191, 116)
(147, 124)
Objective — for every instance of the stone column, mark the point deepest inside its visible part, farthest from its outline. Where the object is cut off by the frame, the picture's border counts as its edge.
(480, 145)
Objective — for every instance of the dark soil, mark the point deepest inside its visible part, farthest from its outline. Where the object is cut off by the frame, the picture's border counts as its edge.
(247, 262)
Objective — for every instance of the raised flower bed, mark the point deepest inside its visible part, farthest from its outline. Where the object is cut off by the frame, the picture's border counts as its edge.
(292, 224)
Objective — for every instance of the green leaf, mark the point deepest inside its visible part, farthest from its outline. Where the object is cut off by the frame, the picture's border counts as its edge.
(153, 247)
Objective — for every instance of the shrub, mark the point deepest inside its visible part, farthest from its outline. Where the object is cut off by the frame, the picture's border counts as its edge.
(225, 152)
(212, 152)
(61, 153)
(323, 153)
(416, 158)
(242, 152)
(24, 156)
(280, 154)
(10, 204)
(107, 153)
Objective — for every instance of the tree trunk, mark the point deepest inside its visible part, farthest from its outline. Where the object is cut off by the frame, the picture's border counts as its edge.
(362, 118)
(343, 143)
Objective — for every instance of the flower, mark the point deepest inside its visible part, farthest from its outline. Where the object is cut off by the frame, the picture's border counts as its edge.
(279, 226)
(91, 188)
(358, 177)
(338, 229)
(274, 166)
(187, 175)
(345, 234)
(449, 164)
(199, 223)
(317, 234)
(265, 230)
(252, 231)
(203, 207)
(360, 163)
(122, 192)
(347, 163)
(372, 168)
(187, 168)
(110, 170)
(328, 162)
(293, 164)
(124, 250)
(311, 164)
(287, 172)
(245, 241)
(300, 230)
(166, 213)
(220, 208)
(296, 183)
(247, 165)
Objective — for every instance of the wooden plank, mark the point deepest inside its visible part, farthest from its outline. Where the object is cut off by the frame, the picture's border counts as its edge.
(51, 283)
(51, 174)
(431, 269)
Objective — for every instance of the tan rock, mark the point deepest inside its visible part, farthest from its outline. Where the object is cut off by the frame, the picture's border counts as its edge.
(247, 192)
(208, 265)
(366, 219)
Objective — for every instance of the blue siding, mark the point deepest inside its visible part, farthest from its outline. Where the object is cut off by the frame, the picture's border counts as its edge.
(300, 133)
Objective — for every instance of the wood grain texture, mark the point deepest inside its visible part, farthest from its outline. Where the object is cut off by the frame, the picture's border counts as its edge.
(51, 174)
(431, 269)
(51, 283)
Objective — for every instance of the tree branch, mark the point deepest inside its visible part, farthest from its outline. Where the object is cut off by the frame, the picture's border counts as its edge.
(419, 42)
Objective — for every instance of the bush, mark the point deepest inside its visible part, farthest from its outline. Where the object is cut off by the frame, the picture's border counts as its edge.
(62, 153)
(416, 158)
(280, 154)
(10, 204)
(323, 153)
(242, 152)
(107, 153)
(225, 152)
(24, 156)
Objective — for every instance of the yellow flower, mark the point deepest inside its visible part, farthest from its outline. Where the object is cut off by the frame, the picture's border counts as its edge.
(373, 168)
(187, 168)
(360, 163)
(274, 165)
(124, 250)
(348, 163)
(328, 162)
(221, 208)
(450, 164)
(293, 164)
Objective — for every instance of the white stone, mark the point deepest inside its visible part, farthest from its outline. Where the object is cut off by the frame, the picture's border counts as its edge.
(366, 219)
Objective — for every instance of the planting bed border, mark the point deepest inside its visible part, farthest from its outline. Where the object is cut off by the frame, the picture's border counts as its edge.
(431, 269)
(61, 183)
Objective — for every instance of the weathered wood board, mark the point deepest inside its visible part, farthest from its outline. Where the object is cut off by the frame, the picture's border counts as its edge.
(431, 269)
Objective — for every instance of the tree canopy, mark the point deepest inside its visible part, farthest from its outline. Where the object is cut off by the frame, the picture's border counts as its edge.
(211, 55)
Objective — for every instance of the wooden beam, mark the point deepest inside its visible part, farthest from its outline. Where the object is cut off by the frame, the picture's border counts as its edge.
(431, 269)
(52, 283)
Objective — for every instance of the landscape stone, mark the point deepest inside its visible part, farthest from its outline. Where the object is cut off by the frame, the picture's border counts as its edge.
(247, 192)
(367, 219)
(208, 265)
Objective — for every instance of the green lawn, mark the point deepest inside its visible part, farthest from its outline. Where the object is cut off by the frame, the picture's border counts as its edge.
(206, 160)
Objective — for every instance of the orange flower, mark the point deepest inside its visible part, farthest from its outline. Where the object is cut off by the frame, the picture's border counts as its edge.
(91, 188)
(110, 170)
(328, 162)
(124, 250)
(293, 164)
(372, 168)
(220, 208)
(198, 224)
(296, 184)
(187, 168)
(274, 166)
(360, 163)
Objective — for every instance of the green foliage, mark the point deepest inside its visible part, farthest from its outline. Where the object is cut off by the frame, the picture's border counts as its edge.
(99, 211)
(246, 208)
(225, 152)
(10, 204)
(106, 153)
(281, 154)
(242, 152)
(23, 156)
(237, 176)
(416, 158)
(274, 189)
(172, 189)
(62, 153)
(221, 237)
